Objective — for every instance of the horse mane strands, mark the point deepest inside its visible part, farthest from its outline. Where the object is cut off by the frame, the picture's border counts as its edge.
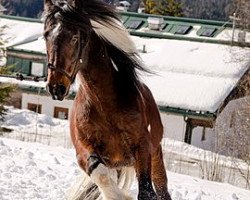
(115, 33)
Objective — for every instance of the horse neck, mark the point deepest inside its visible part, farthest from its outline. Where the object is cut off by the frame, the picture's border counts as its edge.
(99, 79)
(97, 82)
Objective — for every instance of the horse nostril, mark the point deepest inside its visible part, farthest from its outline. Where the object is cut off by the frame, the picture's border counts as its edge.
(61, 89)
(57, 91)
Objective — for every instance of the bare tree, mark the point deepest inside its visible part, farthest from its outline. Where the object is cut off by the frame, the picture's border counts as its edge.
(233, 130)
(242, 11)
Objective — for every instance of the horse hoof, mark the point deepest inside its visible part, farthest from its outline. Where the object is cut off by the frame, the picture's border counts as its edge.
(147, 196)
(165, 196)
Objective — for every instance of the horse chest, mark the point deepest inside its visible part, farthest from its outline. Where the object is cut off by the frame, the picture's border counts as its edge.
(114, 149)
(114, 138)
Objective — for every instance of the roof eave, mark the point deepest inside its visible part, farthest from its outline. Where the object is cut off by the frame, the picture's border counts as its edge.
(205, 115)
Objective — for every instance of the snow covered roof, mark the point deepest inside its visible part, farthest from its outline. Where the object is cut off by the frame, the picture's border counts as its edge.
(17, 30)
(25, 83)
(192, 75)
(37, 46)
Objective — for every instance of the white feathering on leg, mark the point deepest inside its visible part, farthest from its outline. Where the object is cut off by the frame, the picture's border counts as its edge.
(104, 179)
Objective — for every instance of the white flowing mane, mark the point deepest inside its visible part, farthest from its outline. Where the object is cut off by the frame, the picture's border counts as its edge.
(115, 33)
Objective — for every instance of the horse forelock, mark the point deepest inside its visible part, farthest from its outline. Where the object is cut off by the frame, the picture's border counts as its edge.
(68, 16)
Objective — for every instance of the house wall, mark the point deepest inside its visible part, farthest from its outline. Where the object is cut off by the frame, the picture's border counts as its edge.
(48, 104)
(204, 139)
(174, 126)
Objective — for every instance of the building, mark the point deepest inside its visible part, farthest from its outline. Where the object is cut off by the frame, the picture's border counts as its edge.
(199, 66)
(123, 6)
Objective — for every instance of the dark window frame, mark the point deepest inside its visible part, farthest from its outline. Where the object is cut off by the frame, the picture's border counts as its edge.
(58, 109)
(37, 108)
(134, 24)
(183, 29)
(208, 31)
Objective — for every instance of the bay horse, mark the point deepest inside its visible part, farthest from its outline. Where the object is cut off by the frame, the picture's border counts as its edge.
(115, 122)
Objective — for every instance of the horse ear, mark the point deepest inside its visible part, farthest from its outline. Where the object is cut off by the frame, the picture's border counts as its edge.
(48, 4)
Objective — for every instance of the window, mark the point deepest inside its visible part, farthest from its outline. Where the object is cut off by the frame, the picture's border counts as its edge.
(61, 113)
(35, 107)
(208, 32)
(164, 25)
(26, 67)
(18, 65)
(37, 69)
(10, 60)
(134, 24)
(182, 29)
(21, 65)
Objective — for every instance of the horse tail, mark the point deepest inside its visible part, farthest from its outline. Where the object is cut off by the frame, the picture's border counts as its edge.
(85, 189)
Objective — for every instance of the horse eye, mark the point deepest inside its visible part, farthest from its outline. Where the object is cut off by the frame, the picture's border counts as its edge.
(74, 40)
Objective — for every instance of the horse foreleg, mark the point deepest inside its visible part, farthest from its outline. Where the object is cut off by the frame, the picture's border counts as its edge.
(159, 176)
(143, 172)
(101, 175)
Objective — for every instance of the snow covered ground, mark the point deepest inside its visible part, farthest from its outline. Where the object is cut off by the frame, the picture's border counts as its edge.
(34, 171)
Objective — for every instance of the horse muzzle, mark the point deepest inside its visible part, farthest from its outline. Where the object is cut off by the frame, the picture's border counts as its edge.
(57, 91)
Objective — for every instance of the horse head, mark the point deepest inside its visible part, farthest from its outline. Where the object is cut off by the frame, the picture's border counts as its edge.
(66, 44)
(80, 32)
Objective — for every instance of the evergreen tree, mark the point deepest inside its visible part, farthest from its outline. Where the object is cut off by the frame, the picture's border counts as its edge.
(5, 90)
(169, 7)
(163, 7)
(149, 6)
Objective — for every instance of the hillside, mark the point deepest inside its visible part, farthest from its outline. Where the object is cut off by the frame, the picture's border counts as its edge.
(24, 8)
(204, 9)
(208, 9)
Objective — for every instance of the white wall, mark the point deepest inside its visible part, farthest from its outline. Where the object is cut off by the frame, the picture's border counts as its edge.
(209, 141)
(174, 126)
(47, 103)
